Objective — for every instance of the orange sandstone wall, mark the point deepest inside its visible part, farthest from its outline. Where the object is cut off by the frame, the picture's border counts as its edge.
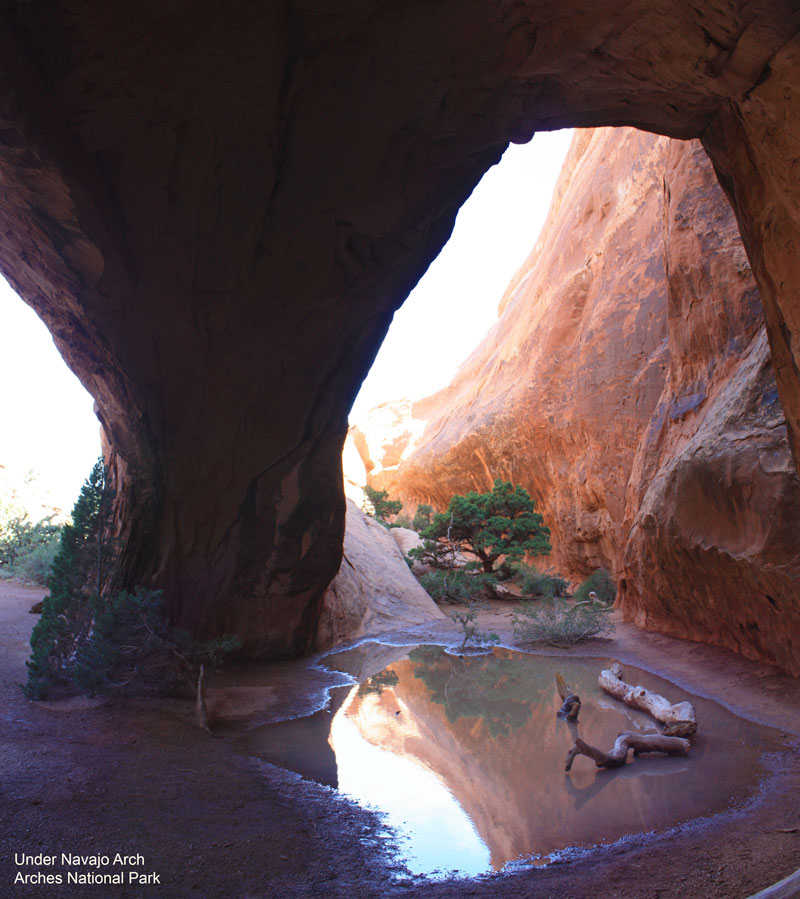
(713, 547)
(627, 384)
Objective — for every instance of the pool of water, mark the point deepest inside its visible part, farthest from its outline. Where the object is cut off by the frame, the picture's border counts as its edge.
(465, 755)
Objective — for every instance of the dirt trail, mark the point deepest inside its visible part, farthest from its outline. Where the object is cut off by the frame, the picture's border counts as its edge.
(141, 778)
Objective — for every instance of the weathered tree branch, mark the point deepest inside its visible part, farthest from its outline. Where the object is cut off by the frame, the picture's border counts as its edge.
(569, 710)
(678, 720)
(572, 702)
(618, 755)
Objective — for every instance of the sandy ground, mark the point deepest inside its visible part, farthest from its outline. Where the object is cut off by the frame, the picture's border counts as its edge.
(140, 778)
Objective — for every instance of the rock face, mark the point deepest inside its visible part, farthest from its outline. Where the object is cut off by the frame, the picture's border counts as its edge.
(627, 384)
(379, 442)
(582, 331)
(713, 548)
(216, 212)
(374, 591)
(385, 436)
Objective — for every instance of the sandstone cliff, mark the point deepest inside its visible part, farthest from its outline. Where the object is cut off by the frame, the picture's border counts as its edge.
(627, 385)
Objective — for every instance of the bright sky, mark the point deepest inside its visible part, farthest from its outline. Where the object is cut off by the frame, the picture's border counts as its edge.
(47, 418)
(455, 303)
(436, 833)
(48, 423)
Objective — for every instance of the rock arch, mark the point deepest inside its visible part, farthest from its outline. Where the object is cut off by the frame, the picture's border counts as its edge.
(216, 212)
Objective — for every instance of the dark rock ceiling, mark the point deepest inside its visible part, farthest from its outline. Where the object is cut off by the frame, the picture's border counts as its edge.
(216, 208)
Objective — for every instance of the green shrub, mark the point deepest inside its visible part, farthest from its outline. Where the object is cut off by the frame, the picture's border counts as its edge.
(422, 517)
(441, 554)
(378, 505)
(601, 583)
(79, 566)
(131, 645)
(508, 569)
(36, 564)
(402, 521)
(124, 641)
(27, 547)
(560, 623)
(18, 534)
(536, 583)
(455, 585)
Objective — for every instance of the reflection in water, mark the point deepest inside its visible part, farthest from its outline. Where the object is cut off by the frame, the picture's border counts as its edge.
(437, 832)
(466, 756)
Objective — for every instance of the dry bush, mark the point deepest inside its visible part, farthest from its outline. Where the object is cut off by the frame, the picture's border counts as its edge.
(560, 623)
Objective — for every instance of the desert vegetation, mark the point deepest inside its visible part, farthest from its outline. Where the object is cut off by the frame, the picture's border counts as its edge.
(378, 506)
(92, 638)
(539, 584)
(456, 584)
(28, 542)
(483, 539)
(558, 622)
(601, 584)
(466, 617)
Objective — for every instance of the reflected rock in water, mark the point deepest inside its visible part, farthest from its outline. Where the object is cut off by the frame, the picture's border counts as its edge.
(466, 756)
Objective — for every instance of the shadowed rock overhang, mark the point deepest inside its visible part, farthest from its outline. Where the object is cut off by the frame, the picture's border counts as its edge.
(217, 210)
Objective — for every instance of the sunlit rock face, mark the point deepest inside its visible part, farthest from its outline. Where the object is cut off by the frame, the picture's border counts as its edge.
(381, 440)
(217, 210)
(374, 590)
(573, 367)
(627, 384)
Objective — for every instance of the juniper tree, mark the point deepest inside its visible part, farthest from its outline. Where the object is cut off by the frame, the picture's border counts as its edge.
(378, 505)
(78, 571)
(92, 639)
(500, 524)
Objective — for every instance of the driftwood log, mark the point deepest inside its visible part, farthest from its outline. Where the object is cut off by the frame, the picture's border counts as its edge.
(618, 755)
(678, 719)
(572, 702)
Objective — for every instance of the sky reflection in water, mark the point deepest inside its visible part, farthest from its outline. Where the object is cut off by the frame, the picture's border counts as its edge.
(466, 757)
(435, 830)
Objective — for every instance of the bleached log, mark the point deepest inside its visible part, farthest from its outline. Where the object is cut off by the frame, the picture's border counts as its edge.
(678, 719)
(618, 755)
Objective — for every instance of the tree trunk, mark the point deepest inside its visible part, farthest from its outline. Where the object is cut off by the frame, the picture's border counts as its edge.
(572, 702)
(618, 755)
(788, 888)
